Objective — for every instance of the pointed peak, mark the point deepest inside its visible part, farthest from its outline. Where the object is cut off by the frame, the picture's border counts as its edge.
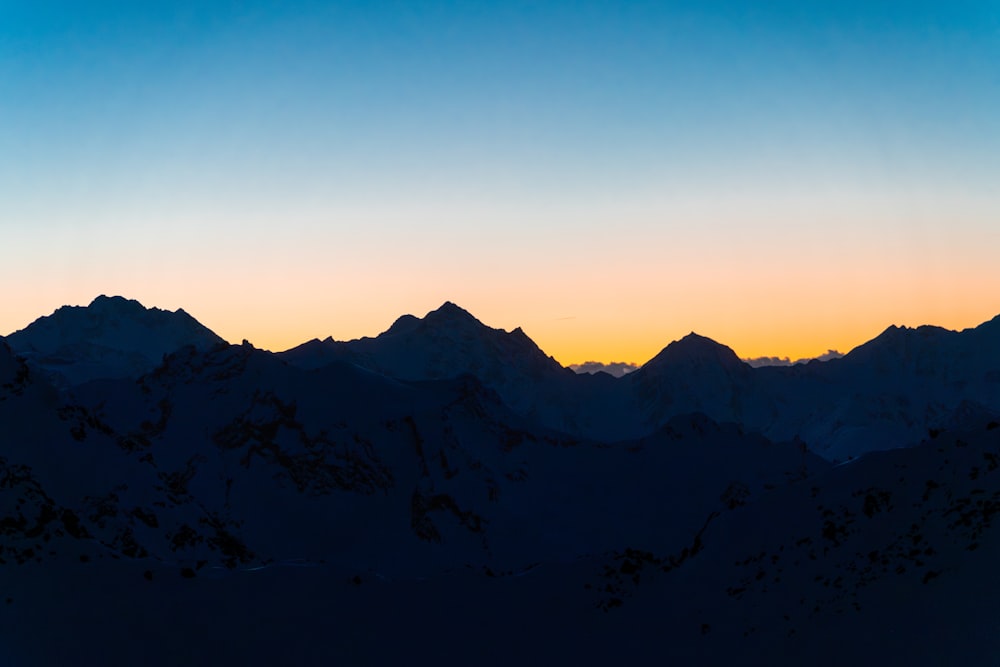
(695, 348)
(696, 343)
(696, 339)
(450, 309)
(449, 313)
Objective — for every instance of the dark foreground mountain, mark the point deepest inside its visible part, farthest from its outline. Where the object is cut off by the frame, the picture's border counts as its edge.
(424, 496)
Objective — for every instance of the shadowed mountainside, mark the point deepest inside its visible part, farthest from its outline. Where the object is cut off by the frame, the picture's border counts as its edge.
(112, 337)
(883, 394)
(443, 484)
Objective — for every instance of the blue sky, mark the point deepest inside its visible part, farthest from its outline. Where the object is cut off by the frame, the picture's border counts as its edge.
(341, 163)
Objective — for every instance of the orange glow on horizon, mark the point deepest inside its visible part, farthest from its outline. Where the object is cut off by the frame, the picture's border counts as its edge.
(574, 339)
(759, 305)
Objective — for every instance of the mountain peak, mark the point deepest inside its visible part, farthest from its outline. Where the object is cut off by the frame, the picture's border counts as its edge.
(694, 339)
(695, 348)
(111, 337)
(900, 343)
(449, 311)
(894, 334)
(697, 345)
(452, 318)
(447, 315)
(104, 302)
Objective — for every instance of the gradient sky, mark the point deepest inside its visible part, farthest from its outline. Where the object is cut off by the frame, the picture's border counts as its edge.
(784, 177)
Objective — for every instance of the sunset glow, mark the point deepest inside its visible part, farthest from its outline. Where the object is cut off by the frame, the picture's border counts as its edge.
(785, 180)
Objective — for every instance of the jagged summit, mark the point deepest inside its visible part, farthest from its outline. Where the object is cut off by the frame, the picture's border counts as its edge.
(452, 309)
(446, 316)
(446, 343)
(115, 303)
(900, 341)
(111, 337)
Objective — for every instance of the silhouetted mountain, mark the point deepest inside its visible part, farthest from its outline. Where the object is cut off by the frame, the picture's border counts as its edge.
(450, 342)
(446, 343)
(441, 485)
(694, 351)
(887, 392)
(696, 374)
(883, 394)
(113, 337)
(317, 353)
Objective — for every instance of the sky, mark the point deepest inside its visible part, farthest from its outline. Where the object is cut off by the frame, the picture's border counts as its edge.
(783, 177)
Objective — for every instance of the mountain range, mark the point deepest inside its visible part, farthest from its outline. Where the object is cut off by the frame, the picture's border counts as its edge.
(446, 492)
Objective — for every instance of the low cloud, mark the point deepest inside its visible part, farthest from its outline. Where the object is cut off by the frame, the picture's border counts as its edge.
(757, 362)
(615, 368)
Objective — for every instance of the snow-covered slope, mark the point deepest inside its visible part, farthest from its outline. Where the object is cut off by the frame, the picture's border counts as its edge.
(441, 470)
(883, 394)
(347, 512)
(110, 338)
(887, 392)
(886, 560)
(697, 374)
(450, 342)
(446, 343)
(226, 463)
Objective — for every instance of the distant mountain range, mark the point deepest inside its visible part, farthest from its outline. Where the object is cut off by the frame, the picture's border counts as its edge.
(614, 368)
(883, 394)
(448, 491)
(757, 362)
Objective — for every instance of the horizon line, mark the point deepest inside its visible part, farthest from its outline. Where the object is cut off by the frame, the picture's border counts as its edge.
(779, 359)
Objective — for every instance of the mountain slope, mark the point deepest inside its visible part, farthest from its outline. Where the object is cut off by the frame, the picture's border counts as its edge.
(697, 374)
(450, 342)
(884, 394)
(345, 515)
(887, 392)
(446, 343)
(113, 337)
